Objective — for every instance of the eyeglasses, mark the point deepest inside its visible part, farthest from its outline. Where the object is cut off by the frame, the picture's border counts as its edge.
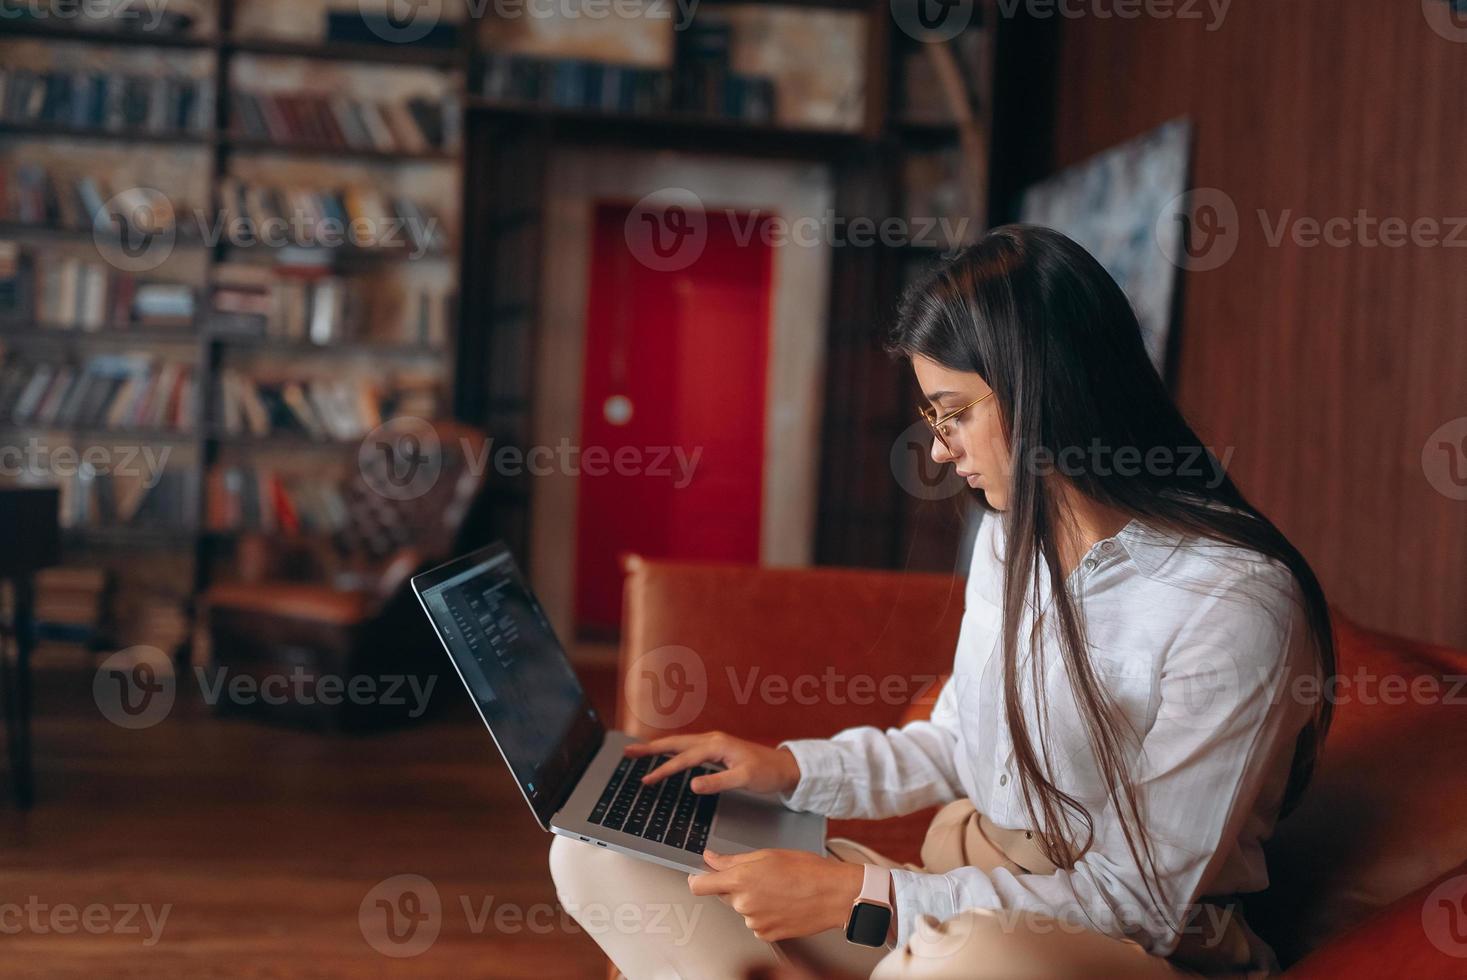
(937, 424)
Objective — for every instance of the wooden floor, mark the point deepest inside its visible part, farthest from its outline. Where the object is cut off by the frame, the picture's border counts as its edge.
(263, 844)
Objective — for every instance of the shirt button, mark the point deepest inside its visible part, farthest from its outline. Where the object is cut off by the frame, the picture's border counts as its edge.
(1003, 780)
(1108, 546)
(1090, 564)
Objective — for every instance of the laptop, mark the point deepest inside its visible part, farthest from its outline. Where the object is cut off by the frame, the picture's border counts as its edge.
(569, 767)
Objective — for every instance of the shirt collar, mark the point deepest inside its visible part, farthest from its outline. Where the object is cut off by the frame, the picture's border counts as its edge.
(1147, 548)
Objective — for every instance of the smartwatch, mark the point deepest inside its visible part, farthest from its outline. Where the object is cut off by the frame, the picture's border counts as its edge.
(871, 914)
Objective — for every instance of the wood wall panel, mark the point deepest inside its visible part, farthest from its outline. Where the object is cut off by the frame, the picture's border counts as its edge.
(1325, 368)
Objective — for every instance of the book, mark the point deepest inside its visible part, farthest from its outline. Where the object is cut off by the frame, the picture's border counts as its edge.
(706, 85)
(311, 303)
(66, 292)
(14, 273)
(356, 216)
(351, 26)
(92, 500)
(321, 407)
(266, 498)
(416, 125)
(104, 391)
(161, 103)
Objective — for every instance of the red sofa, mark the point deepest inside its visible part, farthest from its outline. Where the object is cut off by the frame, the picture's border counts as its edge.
(770, 654)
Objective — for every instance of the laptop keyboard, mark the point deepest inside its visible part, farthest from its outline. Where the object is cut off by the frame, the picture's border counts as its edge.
(667, 812)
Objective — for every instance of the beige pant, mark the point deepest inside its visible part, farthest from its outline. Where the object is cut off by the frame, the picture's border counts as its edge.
(652, 928)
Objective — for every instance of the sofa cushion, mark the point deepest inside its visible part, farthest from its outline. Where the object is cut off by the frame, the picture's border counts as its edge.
(1384, 813)
(1422, 936)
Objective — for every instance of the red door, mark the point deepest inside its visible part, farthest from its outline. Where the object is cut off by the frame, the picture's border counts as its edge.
(673, 397)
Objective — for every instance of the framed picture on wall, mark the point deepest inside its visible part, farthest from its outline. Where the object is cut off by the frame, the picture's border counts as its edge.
(1110, 204)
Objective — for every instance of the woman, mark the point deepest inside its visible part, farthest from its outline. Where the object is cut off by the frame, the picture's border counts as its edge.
(1124, 722)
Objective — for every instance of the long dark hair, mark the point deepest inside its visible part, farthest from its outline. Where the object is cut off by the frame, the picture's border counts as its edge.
(1051, 333)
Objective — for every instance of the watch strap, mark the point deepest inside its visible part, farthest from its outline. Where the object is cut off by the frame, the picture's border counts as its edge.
(876, 886)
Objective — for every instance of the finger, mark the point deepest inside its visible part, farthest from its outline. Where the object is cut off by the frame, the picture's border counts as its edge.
(776, 933)
(686, 759)
(711, 883)
(669, 743)
(719, 781)
(721, 861)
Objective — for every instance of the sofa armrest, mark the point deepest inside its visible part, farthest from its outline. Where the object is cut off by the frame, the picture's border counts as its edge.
(776, 653)
(1422, 936)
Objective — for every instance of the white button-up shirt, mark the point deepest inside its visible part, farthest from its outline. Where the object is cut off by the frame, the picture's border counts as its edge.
(1200, 645)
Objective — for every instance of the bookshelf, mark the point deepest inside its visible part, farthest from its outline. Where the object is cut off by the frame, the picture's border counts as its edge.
(673, 130)
(60, 31)
(247, 145)
(215, 55)
(494, 169)
(42, 130)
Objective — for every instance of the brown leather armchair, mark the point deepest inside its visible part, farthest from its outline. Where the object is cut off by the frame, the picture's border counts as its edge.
(341, 607)
(1369, 873)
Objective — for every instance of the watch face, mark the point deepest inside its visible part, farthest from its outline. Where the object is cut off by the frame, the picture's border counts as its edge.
(868, 924)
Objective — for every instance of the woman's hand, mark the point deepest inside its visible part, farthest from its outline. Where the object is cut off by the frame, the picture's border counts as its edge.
(782, 894)
(747, 765)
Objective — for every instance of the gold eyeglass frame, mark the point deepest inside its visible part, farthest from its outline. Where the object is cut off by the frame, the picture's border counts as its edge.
(935, 424)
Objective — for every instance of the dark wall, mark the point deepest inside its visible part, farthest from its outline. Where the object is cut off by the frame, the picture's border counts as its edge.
(1327, 369)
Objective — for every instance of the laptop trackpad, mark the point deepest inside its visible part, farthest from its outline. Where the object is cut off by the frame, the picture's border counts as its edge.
(745, 822)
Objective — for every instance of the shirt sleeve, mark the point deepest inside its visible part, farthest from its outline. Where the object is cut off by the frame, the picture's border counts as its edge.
(868, 773)
(1224, 725)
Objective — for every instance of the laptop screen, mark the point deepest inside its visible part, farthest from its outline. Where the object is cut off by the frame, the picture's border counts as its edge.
(516, 671)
